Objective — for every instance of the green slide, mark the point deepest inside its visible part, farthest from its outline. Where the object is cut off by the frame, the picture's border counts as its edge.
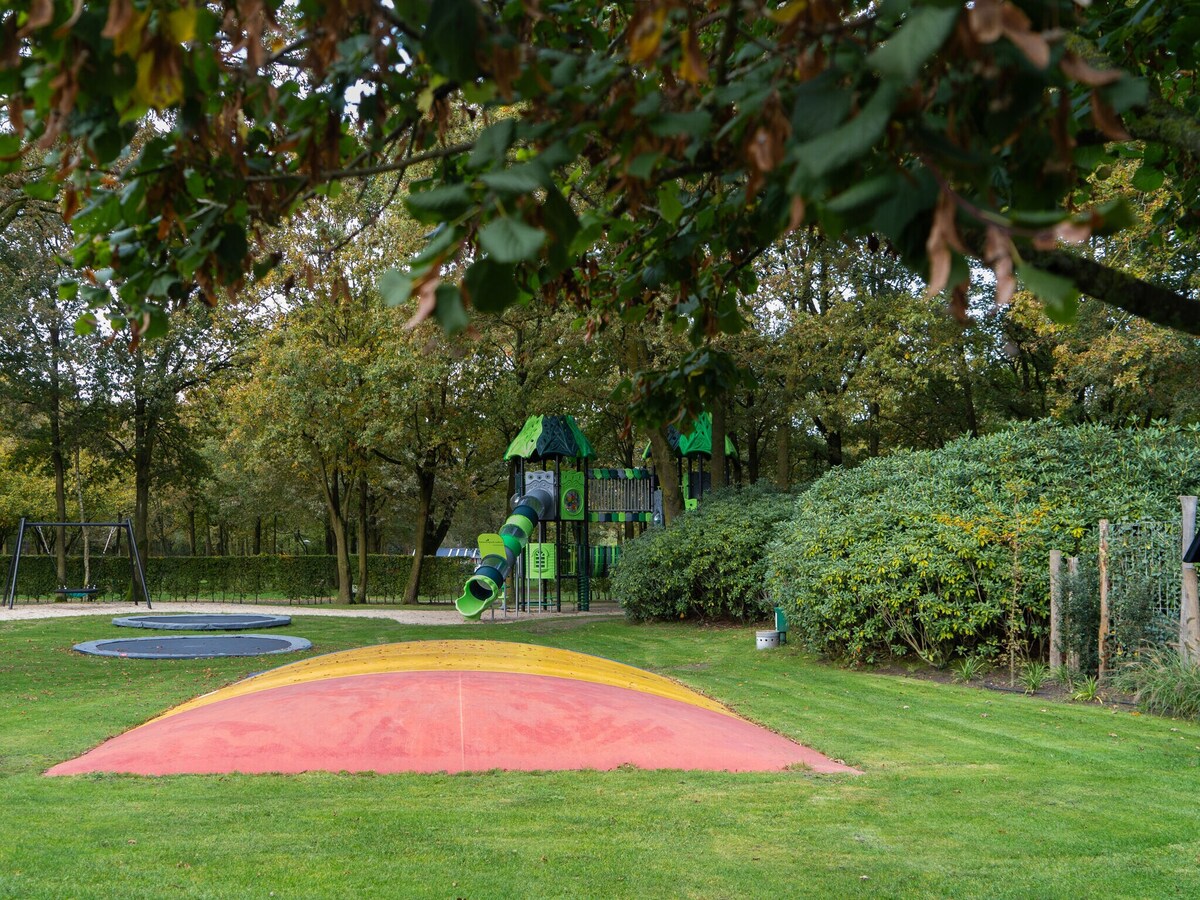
(483, 587)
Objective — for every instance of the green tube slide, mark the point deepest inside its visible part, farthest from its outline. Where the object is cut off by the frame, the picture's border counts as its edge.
(483, 587)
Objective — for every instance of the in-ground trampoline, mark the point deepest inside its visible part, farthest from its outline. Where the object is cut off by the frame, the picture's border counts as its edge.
(204, 621)
(199, 646)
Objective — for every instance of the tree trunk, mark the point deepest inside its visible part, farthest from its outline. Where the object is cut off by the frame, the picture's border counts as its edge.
(256, 547)
(718, 444)
(425, 481)
(668, 477)
(56, 458)
(143, 454)
(191, 529)
(87, 550)
(363, 512)
(337, 526)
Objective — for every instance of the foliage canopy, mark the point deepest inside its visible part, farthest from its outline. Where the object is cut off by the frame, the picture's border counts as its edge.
(673, 139)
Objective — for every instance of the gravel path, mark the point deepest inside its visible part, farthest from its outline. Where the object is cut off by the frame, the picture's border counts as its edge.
(446, 616)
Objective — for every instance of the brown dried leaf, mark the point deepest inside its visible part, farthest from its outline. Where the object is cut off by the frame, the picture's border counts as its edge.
(984, 20)
(693, 67)
(1107, 120)
(958, 303)
(997, 254)
(64, 29)
(796, 216)
(426, 293)
(1016, 27)
(1080, 70)
(120, 16)
(1070, 232)
(71, 204)
(942, 237)
(646, 31)
(41, 14)
(1045, 240)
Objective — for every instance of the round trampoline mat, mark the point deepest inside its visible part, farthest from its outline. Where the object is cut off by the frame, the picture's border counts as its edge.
(204, 621)
(199, 646)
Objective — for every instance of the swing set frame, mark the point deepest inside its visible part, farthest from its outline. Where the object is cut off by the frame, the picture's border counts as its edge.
(135, 559)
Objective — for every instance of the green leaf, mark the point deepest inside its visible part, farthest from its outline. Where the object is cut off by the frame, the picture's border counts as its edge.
(395, 287)
(1127, 93)
(68, 290)
(1147, 178)
(447, 201)
(918, 38)
(863, 193)
(511, 240)
(491, 285)
(693, 123)
(492, 144)
(1059, 295)
(85, 324)
(450, 312)
(668, 202)
(451, 38)
(522, 179)
(850, 141)
(643, 166)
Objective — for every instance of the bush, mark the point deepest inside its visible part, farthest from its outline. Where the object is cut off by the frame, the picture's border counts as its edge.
(708, 564)
(944, 553)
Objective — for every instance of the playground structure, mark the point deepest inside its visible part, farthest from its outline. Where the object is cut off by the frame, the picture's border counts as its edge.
(84, 591)
(568, 496)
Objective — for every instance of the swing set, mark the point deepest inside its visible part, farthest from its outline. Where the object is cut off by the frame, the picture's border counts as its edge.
(86, 591)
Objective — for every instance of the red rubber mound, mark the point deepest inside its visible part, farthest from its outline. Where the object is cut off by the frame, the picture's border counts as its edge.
(433, 721)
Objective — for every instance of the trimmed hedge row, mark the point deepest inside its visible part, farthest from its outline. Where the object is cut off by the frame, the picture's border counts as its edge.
(295, 578)
(945, 553)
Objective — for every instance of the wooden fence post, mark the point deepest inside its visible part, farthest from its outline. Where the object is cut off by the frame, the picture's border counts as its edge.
(1056, 558)
(1073, 575)
(1102, 647)
(1189, 596)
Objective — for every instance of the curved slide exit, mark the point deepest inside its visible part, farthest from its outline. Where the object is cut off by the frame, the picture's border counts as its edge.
(482, 588)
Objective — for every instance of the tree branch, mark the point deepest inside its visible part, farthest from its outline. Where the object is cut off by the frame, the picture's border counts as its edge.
(1120, 290)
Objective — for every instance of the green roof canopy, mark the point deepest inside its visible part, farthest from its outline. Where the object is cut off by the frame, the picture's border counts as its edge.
(550, 437)
(698, 442)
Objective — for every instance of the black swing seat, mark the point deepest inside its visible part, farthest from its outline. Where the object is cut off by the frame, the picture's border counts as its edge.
(78, 593)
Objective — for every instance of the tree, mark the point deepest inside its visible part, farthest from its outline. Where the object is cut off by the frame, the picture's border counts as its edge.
(682, 138)
(41, 358)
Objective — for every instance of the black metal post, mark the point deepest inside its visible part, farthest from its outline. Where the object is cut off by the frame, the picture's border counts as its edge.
(15, 565)
(135, 558)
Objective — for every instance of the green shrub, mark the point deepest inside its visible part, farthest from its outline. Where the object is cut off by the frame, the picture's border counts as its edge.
(708, 564)
(944, 553)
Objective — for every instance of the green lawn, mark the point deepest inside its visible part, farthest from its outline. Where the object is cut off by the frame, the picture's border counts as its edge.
(967, 793)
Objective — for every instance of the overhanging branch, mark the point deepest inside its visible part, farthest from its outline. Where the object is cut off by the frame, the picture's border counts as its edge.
(1118, 289)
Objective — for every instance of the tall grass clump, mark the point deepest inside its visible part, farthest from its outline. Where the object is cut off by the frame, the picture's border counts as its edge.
(1163, 682)
(708, 564)
(943, 554)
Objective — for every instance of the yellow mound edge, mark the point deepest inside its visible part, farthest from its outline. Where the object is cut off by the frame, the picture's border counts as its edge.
(459, 656)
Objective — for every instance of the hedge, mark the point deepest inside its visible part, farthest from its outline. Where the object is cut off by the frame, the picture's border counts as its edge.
(294, 578)
(707, 565)
(945, 553)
